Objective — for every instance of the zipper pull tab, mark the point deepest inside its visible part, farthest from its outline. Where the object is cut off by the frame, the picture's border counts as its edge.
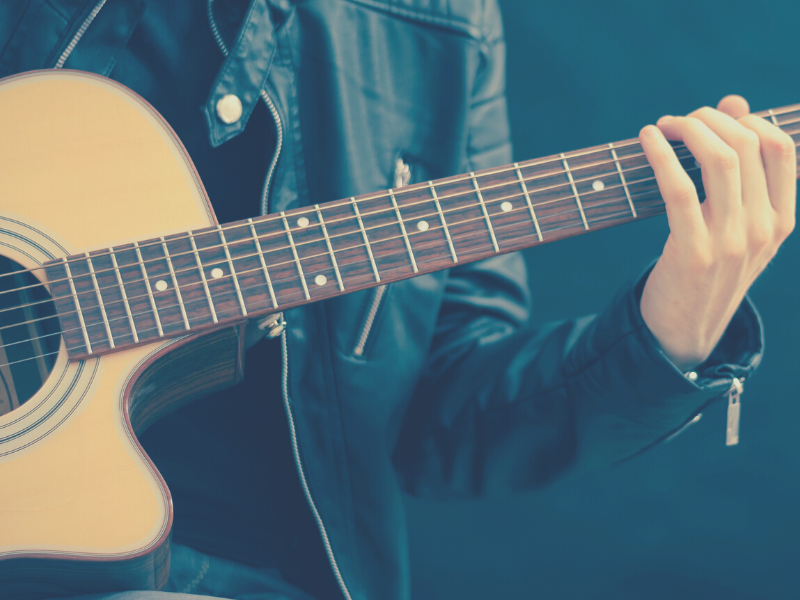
(734, 406)
(402, 173)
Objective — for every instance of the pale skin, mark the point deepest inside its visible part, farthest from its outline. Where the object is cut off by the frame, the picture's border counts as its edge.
(715, 250)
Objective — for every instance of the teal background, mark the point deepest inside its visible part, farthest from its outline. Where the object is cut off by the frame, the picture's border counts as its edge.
(691, 519)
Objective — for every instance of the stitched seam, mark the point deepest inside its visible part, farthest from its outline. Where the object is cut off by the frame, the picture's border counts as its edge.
(344, 473)
(192, 585)
(464, 28)
(57, 11)
(21, 23)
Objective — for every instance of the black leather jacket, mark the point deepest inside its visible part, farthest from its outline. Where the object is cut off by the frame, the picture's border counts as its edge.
(439, 385)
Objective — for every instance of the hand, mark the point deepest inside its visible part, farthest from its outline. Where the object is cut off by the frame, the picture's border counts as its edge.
(716, 249)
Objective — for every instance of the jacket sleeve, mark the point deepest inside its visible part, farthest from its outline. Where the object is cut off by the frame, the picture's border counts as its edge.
(506, 405)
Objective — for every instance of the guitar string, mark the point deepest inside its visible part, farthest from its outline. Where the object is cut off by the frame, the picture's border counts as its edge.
(344, 204)
(92, 292)
(533, 233)
(298, 230)
(250, 240)
(419, 248)
(306, 258)
(261, 239)
(295, 278)
(522, 165)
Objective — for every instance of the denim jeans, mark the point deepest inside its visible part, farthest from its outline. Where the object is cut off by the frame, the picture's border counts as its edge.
(197, 576)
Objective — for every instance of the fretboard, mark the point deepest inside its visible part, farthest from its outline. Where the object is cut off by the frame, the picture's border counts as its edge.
(114, 298)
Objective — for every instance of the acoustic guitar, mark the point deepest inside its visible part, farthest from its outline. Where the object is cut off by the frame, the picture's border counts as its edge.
(121, 298)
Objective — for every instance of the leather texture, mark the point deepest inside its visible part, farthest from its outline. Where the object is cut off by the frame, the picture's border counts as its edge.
(458, 393)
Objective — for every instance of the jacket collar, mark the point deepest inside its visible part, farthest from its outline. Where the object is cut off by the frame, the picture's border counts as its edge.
(247, 65)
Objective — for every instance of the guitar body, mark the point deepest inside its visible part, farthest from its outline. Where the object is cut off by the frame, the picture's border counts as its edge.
(85, 165)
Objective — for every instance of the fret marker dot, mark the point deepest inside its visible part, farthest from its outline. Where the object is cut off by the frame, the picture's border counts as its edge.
(506, 206)
(216, 273)
(161, 285)
(320, 280)
(598, 185)
(302, 222)
(423, 226)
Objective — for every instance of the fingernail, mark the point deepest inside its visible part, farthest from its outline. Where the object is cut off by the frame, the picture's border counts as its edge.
(665, 119)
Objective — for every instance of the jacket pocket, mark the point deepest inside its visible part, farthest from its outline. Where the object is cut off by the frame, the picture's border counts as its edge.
(404, 173)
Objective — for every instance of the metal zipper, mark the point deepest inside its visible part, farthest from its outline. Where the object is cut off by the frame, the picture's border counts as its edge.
(268, 322)
(284, 346)
(278, 148)
(74, 42)
(270, 105)
(366, 328)
(299, 464)
(402, 175)
(734, 408)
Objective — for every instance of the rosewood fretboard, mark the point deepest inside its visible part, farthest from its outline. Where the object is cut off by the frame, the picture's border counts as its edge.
(118, 297)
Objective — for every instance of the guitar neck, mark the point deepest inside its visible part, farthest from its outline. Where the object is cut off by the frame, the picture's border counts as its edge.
(120, 297)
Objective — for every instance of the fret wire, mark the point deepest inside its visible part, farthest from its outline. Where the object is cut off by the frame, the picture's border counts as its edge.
(330, 248)
(296, 257)
(574, 190)
(632, 156)
(622, 179)
(263, 264)
(444, 223)
(334, 205)
(366, 239)
(100, 301)
(203, 278)
(78, 305)
(496, 200)
(175, 284)
(233, 271)
(771, 114)
(528, 200)
(403, 229)
(485, 212)
(493, 201)
(473, 233)
(124, 296)
(149, 290)
(533, 162)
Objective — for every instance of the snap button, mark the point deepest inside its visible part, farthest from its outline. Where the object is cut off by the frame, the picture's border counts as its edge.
(229, 109)
(691, 376)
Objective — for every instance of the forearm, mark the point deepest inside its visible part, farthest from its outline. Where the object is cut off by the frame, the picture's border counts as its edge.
(510, 411)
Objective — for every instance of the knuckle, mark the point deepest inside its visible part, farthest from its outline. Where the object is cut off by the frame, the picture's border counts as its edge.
(684, 194)
(726, 159)
(749, 140)
(733, 249)
(761, 234)
(782, 146)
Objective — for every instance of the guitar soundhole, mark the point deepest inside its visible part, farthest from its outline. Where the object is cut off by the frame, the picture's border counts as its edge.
(29, 335)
